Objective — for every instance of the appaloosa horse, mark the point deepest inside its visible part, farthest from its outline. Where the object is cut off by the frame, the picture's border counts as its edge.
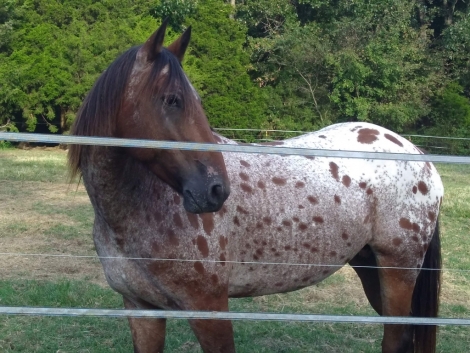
(326, 212)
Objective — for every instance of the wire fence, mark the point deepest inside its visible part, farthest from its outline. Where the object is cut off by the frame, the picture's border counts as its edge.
(432, 144)
(61, 139)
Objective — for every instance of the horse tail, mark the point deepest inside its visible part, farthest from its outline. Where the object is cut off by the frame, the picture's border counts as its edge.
(425, 302)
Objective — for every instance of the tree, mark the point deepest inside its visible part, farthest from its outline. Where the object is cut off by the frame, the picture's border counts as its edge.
(217, 66)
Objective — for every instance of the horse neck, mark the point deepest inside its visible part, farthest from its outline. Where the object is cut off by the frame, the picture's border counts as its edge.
(117, 183)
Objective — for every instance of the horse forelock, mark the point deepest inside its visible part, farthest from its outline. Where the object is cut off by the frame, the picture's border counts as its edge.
(167, 77)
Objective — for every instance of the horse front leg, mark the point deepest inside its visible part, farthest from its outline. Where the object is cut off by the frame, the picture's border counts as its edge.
(148, 335)
(214, 336)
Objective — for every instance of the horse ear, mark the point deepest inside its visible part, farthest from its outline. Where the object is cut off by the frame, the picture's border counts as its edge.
(179, 46)
(154, 45)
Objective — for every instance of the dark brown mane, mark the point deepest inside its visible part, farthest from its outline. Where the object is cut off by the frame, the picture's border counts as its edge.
(98, 112)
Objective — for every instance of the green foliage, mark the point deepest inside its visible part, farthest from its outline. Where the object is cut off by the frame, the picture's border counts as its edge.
(273, 64)
(451, 110)
(175, 10)
(352, 61)
(456, 42)
(217, 66)
(57, 51)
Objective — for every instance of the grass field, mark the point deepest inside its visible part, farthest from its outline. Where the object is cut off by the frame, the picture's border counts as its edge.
(41, 213)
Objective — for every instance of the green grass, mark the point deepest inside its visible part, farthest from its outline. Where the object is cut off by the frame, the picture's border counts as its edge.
(33, 183)
(52, 334)
(32, 165)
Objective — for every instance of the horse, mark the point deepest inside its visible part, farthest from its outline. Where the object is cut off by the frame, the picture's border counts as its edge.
(153, 208)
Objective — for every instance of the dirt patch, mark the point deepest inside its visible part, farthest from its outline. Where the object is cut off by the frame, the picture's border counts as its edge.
(33, 216)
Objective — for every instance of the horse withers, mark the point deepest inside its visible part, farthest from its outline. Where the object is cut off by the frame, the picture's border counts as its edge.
(153, 208)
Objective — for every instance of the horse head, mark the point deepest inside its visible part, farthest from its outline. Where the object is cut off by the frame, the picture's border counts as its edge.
(156, 101)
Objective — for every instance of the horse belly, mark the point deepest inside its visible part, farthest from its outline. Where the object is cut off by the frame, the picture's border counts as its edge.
(294, 221)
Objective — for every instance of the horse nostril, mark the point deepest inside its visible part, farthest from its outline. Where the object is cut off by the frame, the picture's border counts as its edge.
(217, 191)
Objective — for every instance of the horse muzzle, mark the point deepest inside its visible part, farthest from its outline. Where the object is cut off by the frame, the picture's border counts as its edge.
(205, 195)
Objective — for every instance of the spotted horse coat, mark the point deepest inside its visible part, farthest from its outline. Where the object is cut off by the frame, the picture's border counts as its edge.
(282, 209)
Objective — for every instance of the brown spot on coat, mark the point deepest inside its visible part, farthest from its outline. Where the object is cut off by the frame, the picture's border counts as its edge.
(345, 236)
(172, 237)
(207, 222)
(279, 284)
(415, 238)
(431, 216)
(222, 211)
(303, 226)
(333, 253)
(242, 210)
(346, 180)
(236, 221)
(192, 218)
(362, 185)
(397, 241)
(199, 267)
(423, 188)
(405, 223)
(393, 139)
(287, 247)
(202, 245)
(416, 228)
(247, 188)
(337, 200)
(287, 223)
(267, 220)
(299, 184)
(295, 219)
(279, 181)
(177, 220)
(369, 191)
(301, 207)
(318, 219)
(244, 176)
(261, 184)
(245, 163)
(367, 136)
(312, 200)
(306, 245)
(415, 189)
(223, 242)
(334, 170)
(222, 259)
(176, 199)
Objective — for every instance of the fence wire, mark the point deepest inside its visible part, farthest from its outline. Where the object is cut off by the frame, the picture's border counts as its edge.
(225, 315)
(338, 266)
(209, 147)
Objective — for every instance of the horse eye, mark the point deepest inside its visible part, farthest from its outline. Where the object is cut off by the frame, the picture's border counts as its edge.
(172, 100)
